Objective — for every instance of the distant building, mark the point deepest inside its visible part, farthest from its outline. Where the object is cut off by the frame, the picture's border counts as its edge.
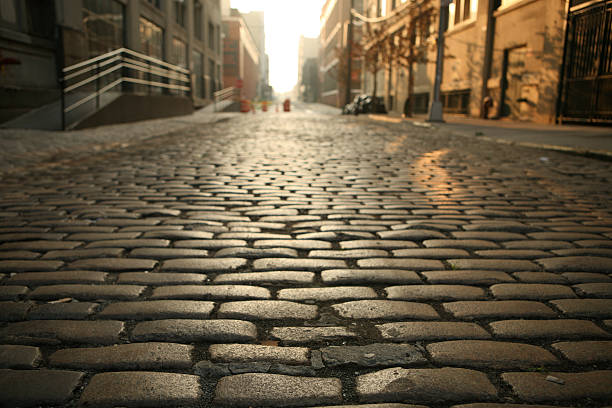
(241, 56)
(255, 23)
(505, 59)
(42, 37)
(308, 60)
(333, 55)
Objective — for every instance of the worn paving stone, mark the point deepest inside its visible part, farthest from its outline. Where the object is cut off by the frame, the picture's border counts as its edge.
(61, 311)
(597, 290)
(203, 264)
(470, 244)
(372, 355)
(30, 266)
(556, 329)
(130, 243)
(265, 264)
(40, 245)
(254, 253)
(533, 387)
(137, 356)
(113, 264)
(276, 390)
(50, 278)
(586, 352)
(31, 388)
(74, 254)
(141, 388)
(13, 292)
(435, 292)
(506, 265)
(256, 352)
(414, 264)
(425, 385)
(377, 244)
(474, 310)
(190, 330)
(210, 243)
(431, 253)
(273, 277)
(390, 405)
(385, 309)
(305, 244)
(531, 291)
(416, 331)
(576, 264)
(300, 335)
(87, 292)
(267, 310)
(348, 253)
(467, 277)
(14, 311)
(489, 354)
(586, 277)
(591, 308)
(19, 357)
(158, 309)
(228, 292)
(328, 293)
(540, 277)
(177, 235)
(168, 253)
(373, 276)
(160, 278)
(54, 332)
(495, 236)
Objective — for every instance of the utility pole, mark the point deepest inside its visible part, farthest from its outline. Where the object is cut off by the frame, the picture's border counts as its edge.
(349, 45)
(435, 110)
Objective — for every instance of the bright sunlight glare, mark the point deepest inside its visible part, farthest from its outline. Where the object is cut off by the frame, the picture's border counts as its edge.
(285, 21)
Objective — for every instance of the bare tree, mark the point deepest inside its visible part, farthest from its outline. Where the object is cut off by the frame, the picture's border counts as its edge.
(401, 48)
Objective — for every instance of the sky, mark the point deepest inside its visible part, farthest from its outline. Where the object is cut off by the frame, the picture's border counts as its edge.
(285, 21)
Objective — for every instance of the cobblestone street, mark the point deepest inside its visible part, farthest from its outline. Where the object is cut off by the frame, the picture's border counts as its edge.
(307, 260)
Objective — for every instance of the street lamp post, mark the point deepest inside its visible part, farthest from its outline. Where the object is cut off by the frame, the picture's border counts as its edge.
(435, 110)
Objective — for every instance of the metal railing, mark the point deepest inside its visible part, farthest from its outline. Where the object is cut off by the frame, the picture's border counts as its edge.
(230, 93)
(89, 85)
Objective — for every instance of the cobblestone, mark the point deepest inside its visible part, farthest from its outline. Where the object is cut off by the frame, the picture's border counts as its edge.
(142, 389)
(275, 390)
(425, 385)
(30, 388)
(141, 356)
(343, 245)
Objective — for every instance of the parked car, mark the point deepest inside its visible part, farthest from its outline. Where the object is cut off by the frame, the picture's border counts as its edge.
(364, 104)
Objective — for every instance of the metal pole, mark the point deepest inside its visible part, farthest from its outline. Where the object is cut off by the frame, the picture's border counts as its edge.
(349, 40)
(435, 110)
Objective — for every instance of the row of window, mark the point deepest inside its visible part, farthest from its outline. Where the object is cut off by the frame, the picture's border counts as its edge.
(103, 22)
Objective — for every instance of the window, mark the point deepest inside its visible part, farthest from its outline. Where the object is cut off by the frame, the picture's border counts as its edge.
(103, 24)
(460, 11)
(198, 61)
(156, 3)
(211, 36)
(8, 11)
(198, 10)
(179, 52)
(456, 101)
(211, 78)
(151, 39)
(180, 12)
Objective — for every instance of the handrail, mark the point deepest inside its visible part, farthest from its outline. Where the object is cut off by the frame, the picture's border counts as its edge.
(225, 94)
(120, 66)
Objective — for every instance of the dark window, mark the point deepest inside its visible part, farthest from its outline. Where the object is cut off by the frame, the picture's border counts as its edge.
(198, 61)
(151, 39)
(421, 103)
(456, 101)
(198, 10)
(180, 12)
(211, 36)
(156, 3)
(103, 24)
(41, 18)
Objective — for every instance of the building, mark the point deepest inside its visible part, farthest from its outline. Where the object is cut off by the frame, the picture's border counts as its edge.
(504, 59)
(308, 67)
(43, 37)
(255, 22)
(335, 44)
(241, 56)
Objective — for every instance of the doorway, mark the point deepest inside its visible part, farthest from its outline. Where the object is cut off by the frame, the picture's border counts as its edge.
(513, 101)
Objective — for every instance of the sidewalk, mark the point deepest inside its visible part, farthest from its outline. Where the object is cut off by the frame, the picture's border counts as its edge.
(590, 141)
